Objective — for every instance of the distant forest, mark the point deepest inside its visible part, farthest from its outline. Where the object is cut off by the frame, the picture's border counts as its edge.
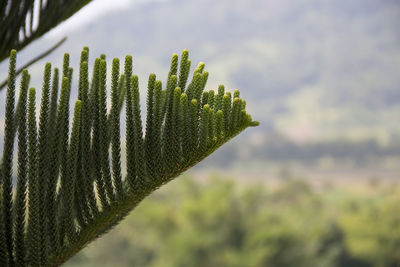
(277, 150)
(322, 73)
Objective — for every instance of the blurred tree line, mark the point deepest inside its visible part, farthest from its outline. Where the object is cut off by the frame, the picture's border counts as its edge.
(276, 149)
(221, 223)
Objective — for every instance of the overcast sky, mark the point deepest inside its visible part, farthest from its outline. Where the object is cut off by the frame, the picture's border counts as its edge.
(89, 13)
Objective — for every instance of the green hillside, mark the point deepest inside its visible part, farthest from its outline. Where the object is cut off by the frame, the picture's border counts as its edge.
(312, 70)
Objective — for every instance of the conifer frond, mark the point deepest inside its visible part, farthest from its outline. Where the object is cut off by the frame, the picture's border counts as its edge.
(23, 21)
(70, 188)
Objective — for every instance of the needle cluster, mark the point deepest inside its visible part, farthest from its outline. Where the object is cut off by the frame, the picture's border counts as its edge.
(70, 187)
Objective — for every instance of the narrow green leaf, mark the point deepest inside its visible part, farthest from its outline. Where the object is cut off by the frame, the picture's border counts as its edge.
(94, 83)
(219, 125)
(168, 128)
(201, 85)
(3, 244)
(115, 126)
(169, 92)
(66, 69)
(96, 140)
(121, 92)
(73, 167)
(81, 207)
(194, 87)
(138, 136)
(19, 104)
(243, 118)
(21, 191)
(174, 66)
(185, 136)
(211, 98)
(235, 114)
(53, 161)
(184, 70)
(156, 145)
(7, 162)
(88, 206)
(104, 139)
(199, 69)
(176, 152)
(33, 230)
(194, 127)
(130, 161)
(149, 135)
(62, 132)
(43, 167)
(236, 93)
(204, 131)
(82, 76)
(204, 99)
(227, 108)
(220, 95)
(211, 127)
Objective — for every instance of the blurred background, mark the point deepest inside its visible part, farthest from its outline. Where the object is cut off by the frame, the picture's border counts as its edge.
(316, 184)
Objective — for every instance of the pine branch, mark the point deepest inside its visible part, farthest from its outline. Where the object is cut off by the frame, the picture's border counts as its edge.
(74, 193)
(13, 20)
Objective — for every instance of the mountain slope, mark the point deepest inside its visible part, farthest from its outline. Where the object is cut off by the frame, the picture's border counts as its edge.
(311, 69)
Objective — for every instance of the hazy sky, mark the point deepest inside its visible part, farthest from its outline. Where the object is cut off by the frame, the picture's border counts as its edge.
(89, 13)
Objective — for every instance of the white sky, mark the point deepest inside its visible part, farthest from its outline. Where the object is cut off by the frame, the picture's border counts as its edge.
(89, 13)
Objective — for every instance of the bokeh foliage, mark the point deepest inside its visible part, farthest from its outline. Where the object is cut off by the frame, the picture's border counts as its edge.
(23, 21)
(226, 223)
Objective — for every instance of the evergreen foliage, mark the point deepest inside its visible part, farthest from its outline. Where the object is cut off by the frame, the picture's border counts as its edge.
(21, 23)
(70, 188)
